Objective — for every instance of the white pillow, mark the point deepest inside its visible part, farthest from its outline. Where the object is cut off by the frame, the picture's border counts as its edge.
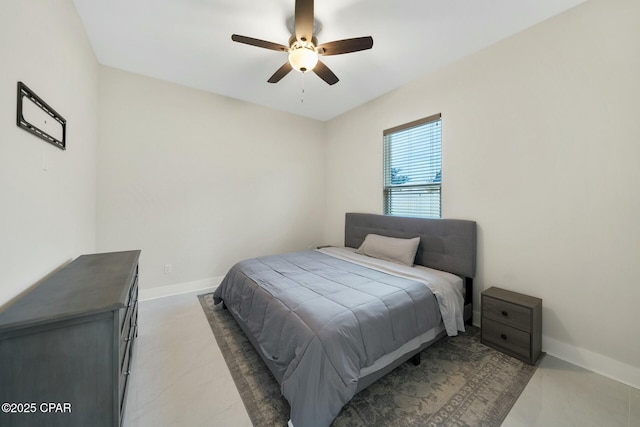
(390, 248)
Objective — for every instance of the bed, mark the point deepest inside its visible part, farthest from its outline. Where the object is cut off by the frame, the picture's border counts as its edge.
(330, 322)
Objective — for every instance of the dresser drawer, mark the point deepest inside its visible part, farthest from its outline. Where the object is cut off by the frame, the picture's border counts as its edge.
(132, 297)
(125, 371)
(506, 337)
(134, 319)
(125, 319)
(505, 312)
(128, 333)
(133, 292)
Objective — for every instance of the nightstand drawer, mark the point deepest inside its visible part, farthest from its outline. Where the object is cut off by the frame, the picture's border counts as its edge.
(507, 313)
(506, 337)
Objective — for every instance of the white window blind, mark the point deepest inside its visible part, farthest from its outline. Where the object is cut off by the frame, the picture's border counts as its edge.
(413, 168)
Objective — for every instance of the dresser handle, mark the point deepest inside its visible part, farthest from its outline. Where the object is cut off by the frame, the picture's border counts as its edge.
(127, 373)
(503, 336)
(504, 313)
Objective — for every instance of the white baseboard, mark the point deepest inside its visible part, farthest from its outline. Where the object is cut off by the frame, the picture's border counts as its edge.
(598, 363)
(203, 285)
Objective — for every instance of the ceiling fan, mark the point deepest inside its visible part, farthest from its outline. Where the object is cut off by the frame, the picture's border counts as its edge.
(304, 49)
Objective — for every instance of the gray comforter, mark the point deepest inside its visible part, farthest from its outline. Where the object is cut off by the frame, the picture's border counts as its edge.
(319, 320)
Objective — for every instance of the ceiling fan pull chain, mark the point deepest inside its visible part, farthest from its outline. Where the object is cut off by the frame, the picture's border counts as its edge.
(302, 84)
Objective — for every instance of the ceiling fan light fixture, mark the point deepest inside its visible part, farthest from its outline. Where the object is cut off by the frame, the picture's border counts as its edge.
(303, 59)
(303, 47)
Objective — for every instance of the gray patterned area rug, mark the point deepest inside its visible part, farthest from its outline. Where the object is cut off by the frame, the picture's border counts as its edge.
(460, 382)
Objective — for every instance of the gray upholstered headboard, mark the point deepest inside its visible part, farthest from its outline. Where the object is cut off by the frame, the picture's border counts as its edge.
(445, 244)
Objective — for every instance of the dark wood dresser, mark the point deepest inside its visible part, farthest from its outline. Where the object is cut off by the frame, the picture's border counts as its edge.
(66, 345)
(512, 323)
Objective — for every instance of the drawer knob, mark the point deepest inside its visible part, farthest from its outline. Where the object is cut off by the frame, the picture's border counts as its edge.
(127, 373)
(504, 313)
(503, 336)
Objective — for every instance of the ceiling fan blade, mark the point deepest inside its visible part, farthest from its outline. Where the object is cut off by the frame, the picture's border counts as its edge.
(339, 47)
(325, 73)
(259, 43)
(303, 21)
(282, 71)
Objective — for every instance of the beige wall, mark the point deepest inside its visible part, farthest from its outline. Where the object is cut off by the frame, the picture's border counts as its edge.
(200, 181)
(541, 146)
(46, 217)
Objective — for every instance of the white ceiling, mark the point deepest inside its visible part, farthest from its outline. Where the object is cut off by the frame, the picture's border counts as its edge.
(189, 42)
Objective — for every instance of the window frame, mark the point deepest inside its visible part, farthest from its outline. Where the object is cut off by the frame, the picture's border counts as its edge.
(387, 188)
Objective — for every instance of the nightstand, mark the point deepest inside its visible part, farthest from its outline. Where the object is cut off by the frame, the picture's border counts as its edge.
(512, 323)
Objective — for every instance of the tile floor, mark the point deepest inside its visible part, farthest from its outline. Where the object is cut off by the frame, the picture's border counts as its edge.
(179, 378)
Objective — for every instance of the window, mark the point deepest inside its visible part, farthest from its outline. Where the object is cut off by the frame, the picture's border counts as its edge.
(413, 168)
